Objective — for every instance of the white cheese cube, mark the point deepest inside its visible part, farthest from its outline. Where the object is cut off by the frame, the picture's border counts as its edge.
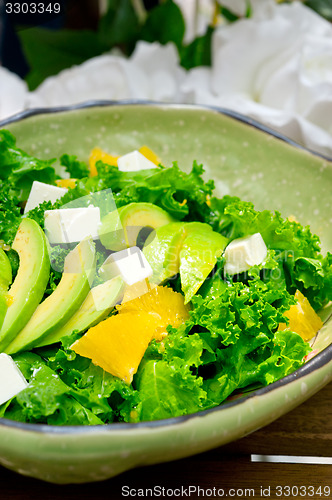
(41, 192)
(70, 225)
(130, 263)
(134, 161)
(243, 253)
(12, 380)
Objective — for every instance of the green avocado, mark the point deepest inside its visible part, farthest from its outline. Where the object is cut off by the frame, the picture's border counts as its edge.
(5, 281)
(198, 256)
(98, 304)
(66, 299)
(120, 228)
(162, 249)
(30, 283)
(190, 249)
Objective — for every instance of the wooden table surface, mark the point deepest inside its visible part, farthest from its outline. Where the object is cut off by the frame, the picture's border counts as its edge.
(307, 430)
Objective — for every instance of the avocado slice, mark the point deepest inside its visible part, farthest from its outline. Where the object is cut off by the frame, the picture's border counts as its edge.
(120, 228)
(190, 248)
(68, 296)
(162, 249)
(198, 256)
(5, 281)
(5, 269)
(30, 283)
(98, 304)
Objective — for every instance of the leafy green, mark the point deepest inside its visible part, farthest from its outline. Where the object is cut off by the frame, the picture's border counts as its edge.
(21, 169)
(105, 395)
(168, 390)
(76, 168)
(66, 389)
(10, 212)
(299, 264)
(235, 218)
(182, 195)
(313, 277)
(46, 399)
(229, 343)
(17, 173)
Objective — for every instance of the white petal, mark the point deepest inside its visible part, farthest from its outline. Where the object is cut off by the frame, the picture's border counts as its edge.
(13, 93)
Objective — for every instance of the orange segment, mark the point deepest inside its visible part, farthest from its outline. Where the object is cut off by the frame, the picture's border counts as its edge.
(150, 155)
(98, 154)
(137, 290)
(118, 343)
(302, 318)
(164, 304)
(66, 183)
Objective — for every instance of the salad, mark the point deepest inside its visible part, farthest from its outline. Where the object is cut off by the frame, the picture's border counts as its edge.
(129, 292)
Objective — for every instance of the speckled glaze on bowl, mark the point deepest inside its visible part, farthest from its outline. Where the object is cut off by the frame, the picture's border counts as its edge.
(245, 160)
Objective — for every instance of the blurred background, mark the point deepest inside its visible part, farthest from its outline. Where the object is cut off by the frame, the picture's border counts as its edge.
(267, 59)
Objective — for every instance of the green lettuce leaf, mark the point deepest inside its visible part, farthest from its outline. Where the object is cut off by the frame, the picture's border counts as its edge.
(10, 212)
(67, 389)
(21, 169)
(235, 218)
(296, 262)
(168, 389)
(75, 168)
(102, 393)
(183, 195)
(313, 277)
(47, 399)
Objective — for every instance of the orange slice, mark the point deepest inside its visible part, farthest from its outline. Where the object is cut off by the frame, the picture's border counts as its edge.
(66, 183)
(302, 318)
(118, 343)
(150, 155)
(98, 154)
(164, 304)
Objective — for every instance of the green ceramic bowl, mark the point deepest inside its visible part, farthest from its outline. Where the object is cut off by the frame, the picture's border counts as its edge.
(244, 159)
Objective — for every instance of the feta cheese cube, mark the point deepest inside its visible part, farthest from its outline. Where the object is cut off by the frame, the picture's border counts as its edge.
(134, 161)
(130, 263)
(70, 225)
(12, 380)
(243, 253)
(41, 192)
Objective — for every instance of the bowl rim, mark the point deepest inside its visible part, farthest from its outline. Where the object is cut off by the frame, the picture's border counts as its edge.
(317, 362)
(95, 103)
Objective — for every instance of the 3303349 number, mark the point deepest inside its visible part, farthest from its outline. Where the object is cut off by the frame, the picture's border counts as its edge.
(33, 8)
(303, 491)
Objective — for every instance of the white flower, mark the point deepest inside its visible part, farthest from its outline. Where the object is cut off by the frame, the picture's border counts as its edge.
(13, 93)
(152, 72)
(275, 67)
